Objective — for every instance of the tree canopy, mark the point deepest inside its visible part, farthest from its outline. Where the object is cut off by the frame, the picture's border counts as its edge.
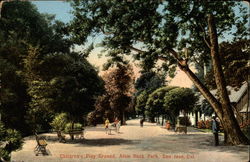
(161, 30)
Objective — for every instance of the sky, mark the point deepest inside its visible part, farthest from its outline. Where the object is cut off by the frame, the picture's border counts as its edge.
(61, 10)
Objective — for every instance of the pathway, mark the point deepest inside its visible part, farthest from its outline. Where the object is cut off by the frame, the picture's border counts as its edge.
(148, 144)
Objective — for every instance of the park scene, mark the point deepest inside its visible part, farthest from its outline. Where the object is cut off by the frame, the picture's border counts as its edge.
(124, 80)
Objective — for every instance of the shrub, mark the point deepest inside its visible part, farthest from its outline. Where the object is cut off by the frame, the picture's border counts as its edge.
(10, 140)
(59, 122)
(201, 124)
(68, 127)
(208, 124)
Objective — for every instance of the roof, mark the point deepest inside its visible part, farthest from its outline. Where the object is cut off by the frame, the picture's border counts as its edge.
(235, 94)
(244, 109)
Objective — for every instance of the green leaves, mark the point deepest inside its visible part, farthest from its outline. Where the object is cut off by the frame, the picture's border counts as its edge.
(10, 140)
(156, 26)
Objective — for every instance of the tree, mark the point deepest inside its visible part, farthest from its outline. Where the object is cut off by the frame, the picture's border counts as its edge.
(118, 85)
(234, 57)
(155, 102)
(22, 27)
(162, 29)
(146, 84)
(179, 99)
(71, 86)
(141, 101)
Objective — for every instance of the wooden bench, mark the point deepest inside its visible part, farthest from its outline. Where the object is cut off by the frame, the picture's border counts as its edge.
(41, 145)
(77, 132)
(180, 129)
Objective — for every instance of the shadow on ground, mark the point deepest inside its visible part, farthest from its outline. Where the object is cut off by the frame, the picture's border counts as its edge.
(188, 144)
(108, 142)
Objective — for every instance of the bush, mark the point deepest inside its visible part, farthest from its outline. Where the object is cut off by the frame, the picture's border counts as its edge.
(59, 122)
(68, 127)
(201, 124)
(10, 140)
(208, 124)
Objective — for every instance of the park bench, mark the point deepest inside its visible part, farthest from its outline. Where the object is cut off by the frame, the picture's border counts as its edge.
(180, 129)
(77, 132)
(41, 145)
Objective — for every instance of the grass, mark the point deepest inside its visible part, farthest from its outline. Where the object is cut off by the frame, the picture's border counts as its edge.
(207, 131)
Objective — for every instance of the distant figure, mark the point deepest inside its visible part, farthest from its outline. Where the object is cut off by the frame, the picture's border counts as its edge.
(118, 125)
(215, 129)
(168, 125)
(106, 125)
(116, 121)
(141, 122)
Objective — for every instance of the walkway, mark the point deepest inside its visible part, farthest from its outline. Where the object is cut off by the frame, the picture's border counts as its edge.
(148, 144)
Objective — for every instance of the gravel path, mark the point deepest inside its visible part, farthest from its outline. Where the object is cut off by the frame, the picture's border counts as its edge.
(133, 143)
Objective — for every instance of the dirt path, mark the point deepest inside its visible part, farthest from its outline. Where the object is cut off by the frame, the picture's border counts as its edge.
(150, 143)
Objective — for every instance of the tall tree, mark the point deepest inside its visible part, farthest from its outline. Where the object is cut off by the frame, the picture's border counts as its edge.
(22, 26)
(118, 85)
(155, 102)
(144, 85)
(162, 29)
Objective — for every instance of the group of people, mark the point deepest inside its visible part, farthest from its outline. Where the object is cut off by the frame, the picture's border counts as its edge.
(116, 124)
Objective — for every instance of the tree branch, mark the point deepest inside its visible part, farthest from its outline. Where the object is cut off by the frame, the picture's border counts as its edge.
(205, 36)
(135, 49)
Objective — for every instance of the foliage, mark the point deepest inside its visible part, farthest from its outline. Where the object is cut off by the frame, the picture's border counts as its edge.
(235, 58)
(157, 29)
(155, 102)
(26, 36)
(21, 21)
(149, 81)
(59, 122)
(13, 97)
(201, 124)
(208, 124)
(161, 30)
(68, 127)
(102, 110)
(141, 102)
(10, 140)
(146, 84)
(180, 99)
(115, 102)
(205, 108)
(119, 86)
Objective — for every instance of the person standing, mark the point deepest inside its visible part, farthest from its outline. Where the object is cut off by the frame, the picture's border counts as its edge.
(118, 125)
(215, 129)
(168, 125)
(106, 125)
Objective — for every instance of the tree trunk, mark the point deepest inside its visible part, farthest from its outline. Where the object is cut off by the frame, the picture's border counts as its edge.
(196, 118)
(162, 120)
(72, 127)
(230, 124)
(123, 118)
